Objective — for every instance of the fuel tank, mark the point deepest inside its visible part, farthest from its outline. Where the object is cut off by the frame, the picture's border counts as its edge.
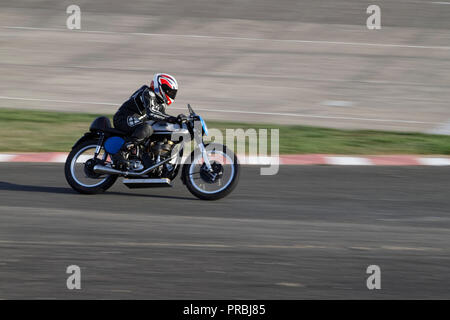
(160, 127)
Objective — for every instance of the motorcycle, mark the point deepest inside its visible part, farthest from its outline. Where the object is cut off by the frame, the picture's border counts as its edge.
(211, 171)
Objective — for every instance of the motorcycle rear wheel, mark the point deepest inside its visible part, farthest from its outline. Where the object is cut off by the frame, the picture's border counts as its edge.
(105, 181)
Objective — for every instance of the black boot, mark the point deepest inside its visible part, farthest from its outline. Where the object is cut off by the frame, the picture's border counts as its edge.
(120, 159)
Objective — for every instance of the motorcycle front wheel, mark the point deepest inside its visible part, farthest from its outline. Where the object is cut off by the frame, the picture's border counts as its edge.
(215, 184)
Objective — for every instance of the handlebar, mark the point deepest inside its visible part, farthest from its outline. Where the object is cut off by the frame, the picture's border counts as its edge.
(191, 111)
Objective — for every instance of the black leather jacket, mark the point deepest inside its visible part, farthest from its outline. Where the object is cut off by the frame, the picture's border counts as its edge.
(144, 101)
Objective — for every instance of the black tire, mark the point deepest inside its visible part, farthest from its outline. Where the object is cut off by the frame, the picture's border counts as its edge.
(228, 189)
(74, 184)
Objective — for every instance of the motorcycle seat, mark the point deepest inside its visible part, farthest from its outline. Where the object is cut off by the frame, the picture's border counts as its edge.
(103, 124)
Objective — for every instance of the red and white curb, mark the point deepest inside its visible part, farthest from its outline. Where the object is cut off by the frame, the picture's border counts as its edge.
(296, 159)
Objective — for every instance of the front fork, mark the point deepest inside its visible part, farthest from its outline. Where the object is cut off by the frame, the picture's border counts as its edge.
(199, 141)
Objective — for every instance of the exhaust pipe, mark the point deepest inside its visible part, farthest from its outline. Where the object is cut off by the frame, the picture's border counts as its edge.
(98, 168)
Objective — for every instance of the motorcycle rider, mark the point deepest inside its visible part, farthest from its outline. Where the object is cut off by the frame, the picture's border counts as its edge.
(146, 103)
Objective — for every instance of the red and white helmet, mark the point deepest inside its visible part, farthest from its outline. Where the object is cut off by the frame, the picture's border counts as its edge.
(165, 87)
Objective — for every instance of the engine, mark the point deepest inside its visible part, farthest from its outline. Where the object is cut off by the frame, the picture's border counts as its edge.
(161, 148)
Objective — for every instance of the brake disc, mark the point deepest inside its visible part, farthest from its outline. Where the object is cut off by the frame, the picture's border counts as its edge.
(211, 177)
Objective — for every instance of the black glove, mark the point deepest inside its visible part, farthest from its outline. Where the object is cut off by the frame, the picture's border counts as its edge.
(181, 118)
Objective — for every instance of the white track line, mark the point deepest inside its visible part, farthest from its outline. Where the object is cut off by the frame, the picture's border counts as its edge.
(6, 157)
(443, 128)
(389, 45)
(434, 161)
(224, 74)
(60, 158)
(348, 161)
(231, 111)
(258, 160)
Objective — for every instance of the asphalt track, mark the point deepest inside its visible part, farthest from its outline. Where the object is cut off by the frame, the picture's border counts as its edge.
(308, 232)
